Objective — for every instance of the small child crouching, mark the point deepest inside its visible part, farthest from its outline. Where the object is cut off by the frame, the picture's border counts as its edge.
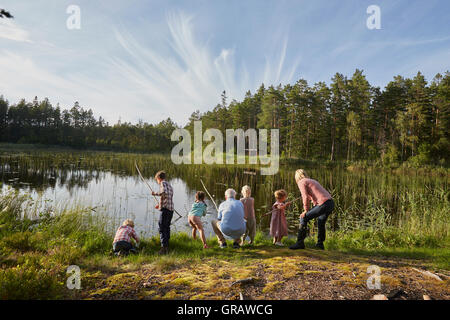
(122, 241)
(198, 210)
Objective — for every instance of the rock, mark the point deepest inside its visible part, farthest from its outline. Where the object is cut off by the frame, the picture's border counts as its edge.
(379, 297)
(396, 293)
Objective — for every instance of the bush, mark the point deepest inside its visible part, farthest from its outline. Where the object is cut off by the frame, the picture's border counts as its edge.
(94, 241)
(24, 241)
(391, 156)
(27, 282)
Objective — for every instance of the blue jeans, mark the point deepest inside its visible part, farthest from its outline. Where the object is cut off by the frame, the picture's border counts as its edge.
(165, 218)
(321, 213)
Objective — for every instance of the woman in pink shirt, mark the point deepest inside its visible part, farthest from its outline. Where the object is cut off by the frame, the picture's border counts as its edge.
(323, 206)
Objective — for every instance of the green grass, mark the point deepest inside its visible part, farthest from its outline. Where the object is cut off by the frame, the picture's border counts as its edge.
(34, 256)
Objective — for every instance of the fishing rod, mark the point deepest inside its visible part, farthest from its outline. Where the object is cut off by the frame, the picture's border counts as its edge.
(287, 203)
(209, 195)
(156, 200)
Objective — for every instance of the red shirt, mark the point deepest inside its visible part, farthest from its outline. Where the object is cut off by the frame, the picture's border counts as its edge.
(312, 191)
(125, 233)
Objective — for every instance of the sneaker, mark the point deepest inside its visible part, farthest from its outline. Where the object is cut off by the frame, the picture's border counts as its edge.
(223, 245)
(319, 245)
(236, 245)
(297, 245)
(279, 244)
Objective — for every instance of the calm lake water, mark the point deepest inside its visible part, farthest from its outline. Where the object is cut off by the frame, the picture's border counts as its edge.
(109, 184)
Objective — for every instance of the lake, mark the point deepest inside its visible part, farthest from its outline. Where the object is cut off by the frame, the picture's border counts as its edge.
(109, 184)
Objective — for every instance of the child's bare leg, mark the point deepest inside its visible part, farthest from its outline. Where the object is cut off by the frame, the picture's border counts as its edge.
(202, 235)
(274, 240)
(194, 230)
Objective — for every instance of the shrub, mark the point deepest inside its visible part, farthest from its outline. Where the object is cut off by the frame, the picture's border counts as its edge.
(29, 282)
(24, 241)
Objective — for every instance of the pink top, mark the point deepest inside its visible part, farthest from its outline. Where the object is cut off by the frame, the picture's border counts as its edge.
(312, 191)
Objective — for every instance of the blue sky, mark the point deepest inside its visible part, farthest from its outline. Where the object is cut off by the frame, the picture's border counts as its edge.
(153, 59)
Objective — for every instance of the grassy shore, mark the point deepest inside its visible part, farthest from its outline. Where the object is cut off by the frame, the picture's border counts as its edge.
(34, 258)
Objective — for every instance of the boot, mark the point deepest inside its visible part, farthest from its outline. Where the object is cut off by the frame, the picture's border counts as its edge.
(300, 244)
(163, 251)
(321, 235)
(319, 245)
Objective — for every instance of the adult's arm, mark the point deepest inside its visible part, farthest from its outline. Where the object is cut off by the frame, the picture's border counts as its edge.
(305, 196)
(219, 216)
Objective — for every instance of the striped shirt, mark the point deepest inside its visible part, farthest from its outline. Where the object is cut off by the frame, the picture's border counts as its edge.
(166, 194)
(125, 233)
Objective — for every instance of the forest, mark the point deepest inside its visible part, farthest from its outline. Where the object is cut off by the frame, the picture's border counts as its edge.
(348, 120)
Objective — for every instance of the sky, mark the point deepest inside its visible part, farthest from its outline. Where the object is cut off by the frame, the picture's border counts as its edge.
(149, 60)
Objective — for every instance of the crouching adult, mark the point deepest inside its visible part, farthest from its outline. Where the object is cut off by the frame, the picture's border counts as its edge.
(230, 220)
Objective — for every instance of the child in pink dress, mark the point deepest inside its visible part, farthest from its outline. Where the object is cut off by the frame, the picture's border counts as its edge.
(278, 223)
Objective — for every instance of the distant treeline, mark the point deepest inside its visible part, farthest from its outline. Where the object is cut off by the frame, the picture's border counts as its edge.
(347, 120)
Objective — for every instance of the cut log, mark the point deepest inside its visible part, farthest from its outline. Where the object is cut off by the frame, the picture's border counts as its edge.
(243, 281)
(379, 297)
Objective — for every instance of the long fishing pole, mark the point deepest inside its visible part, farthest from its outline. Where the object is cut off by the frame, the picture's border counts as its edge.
(156, 200)
(204, 187)
(287, 203)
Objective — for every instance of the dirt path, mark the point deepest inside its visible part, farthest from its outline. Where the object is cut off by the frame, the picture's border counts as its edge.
(272, 274)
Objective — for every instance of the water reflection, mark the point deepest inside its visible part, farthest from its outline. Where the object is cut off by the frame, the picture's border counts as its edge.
(110, 183)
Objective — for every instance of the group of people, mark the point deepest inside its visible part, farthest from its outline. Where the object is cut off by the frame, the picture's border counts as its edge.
(236, 218)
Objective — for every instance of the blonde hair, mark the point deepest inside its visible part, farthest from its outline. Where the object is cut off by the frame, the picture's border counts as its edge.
(300, 174)
(280, 194)
(246, 191)
(129, 223)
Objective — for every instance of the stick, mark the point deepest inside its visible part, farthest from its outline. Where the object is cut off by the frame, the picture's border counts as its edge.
(156, 200)
(209, 195)
(267, 213)
(142, 178)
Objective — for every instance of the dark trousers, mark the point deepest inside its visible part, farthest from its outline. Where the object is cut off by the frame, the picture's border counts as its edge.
(123, 246)
(321, 213)
(165, 218)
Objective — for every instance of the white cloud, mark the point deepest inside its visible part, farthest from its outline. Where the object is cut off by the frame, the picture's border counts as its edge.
(145, 83)
(192, 78)
(11, 31)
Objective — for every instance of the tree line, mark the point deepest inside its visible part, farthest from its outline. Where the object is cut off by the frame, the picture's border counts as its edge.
(38, 122)
(347, 120)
